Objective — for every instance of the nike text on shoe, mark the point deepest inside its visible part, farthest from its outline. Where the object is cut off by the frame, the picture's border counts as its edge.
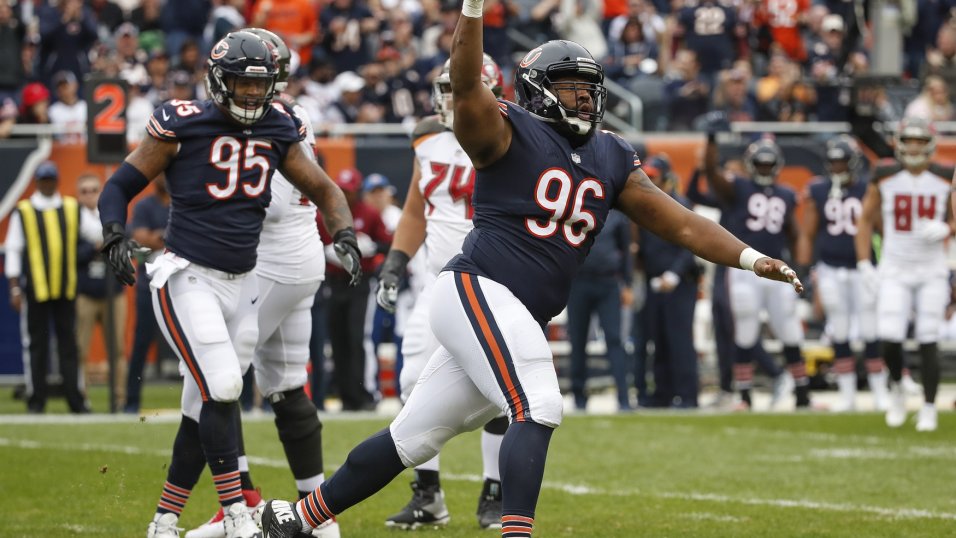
(280, 520)
(427, 508)
(163, 526)
(239, 523)
(489, 505)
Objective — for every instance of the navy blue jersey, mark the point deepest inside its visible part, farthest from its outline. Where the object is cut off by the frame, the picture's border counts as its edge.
(220, 179)
(759, 215)
(838, 212)
(538, 208)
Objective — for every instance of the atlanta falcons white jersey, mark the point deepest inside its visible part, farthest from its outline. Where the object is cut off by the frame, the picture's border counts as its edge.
(290, 250)
(908, 202)
(446, 184)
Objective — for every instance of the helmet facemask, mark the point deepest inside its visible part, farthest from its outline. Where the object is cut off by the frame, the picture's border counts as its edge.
(441, 88)
(249, 109)
(763, 161)
(915, 142)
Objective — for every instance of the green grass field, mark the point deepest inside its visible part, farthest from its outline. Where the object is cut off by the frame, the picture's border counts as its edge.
(741, 475)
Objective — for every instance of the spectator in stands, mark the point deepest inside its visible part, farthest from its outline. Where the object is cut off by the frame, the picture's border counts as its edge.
(12, 33)
(733, 96)
(107, 14)
(783, 18)
(190, 60)
(94, 293)
(157, 72)
(67, 33)
(445, 21)
(941, 61)
(402, 88)
(8, 116)
(130, 56)
(346, 25)
(602, 287)
(295, 21)
(580, 22)
(629, 54)
(352, 105)
(713, 39)
(499, 14)
(536, 19)
(35, 104)
(185, 20)
(933, 103)
(148, 228)
(688, 94)
(319, 92)
(652, 24)
(69, 111)
(181, 86)
(148, 16)
(829, 71)
(782, 95)
(138, 109)
(226, 16)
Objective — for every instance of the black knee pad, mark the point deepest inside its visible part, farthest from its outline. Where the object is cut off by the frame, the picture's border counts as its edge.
(300, 431)
(497, 425)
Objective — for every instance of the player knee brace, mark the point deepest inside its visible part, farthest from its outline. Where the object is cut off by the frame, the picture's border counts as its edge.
(300, 431)
(497, 425)
(547, 408)
(225, 386)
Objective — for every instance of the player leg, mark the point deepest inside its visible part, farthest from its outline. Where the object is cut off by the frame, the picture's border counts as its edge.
(745, 305)
(786, 326)
(609, 315)
(893, 312)
(833, 285)
(864, 309)
(427, 505)
(210, 321)
(580, 307)
(679, 318)
(932, 296)
(723, 336)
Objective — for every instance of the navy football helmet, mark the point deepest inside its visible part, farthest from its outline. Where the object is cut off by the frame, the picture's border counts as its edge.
(537, 85)
(441, 87)
(242, 55)
(764, 152)
(282, 53)
(842, 148)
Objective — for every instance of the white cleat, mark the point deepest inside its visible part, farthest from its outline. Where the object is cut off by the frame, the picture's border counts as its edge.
(238, 522)
(896, 412)
(163, 526)
(216, 528)
(926, 419)
(782, 386)
(911, 387)
(329, 529)
(841, 407)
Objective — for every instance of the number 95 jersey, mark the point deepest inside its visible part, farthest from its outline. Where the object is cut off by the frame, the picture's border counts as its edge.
(538, 209)
(220, 178)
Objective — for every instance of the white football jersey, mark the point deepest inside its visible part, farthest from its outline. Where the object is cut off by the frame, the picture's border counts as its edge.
(446, 185)
(290, 250)
(907, 201)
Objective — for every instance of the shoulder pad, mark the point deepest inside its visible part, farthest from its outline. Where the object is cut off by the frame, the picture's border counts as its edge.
(286, 101)
(171, 116)
(428, 126)
(885, 168)
(942, 170)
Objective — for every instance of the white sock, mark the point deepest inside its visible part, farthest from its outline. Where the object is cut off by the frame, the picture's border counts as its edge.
(305, 526)
(877, 382)
(311, 483)
(490, 446)
(847, 385)
(243, 464)
(430, 465)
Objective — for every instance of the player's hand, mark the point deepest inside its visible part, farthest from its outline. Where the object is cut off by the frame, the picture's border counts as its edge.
(347, 250)
(389, 278)
(869, 276)
(779, 271)
(932, 230)
(119, 252)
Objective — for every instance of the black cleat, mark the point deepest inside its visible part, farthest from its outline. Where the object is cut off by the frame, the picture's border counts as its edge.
(280, 520)
(427, 508)
(489, 505)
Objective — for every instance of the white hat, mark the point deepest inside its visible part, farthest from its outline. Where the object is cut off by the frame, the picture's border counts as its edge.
(349, 81)
(832, 23)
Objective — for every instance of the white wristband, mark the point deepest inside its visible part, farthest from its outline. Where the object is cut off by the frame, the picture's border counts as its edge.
(473, 8)
(749, 257)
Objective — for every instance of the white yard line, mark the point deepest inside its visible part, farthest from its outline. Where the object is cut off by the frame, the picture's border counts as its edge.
(572, 489)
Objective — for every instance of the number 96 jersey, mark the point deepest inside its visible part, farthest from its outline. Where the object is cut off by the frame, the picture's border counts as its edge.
(447, 182)
(219, 180)
(538, 209)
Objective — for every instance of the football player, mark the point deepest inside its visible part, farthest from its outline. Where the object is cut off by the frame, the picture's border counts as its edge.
(910, 196)
(545, 179)
(761, 212)
(437, 215)
(204, 291)
(833, 207)
(290, 267)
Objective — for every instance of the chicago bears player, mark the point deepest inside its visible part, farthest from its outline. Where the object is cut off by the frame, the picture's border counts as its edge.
(910, 196)
(290, 266)
(833, 207)
(437, 215)
(545, 180)
(218, 157)
(762, 213)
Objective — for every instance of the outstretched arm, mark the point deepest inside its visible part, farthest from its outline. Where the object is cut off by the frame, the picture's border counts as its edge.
(651, 208)
(410, 233)
(480, 129)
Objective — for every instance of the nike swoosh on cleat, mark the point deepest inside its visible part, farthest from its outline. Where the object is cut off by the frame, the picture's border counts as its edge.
(254, 300)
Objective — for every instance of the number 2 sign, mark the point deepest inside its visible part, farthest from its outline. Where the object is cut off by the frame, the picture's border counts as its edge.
(106, 121)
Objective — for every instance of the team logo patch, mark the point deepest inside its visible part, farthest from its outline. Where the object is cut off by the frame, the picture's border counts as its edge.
(219, 50)
(530, 57)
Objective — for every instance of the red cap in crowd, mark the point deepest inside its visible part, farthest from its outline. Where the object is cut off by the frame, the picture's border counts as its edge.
(349, 180)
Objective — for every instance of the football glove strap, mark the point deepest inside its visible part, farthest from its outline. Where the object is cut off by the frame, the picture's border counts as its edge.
(119, 252)
(346, 248)
(388, 279)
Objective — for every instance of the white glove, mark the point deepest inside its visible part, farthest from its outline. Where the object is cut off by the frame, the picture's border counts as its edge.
(932, 230)
(869, 276)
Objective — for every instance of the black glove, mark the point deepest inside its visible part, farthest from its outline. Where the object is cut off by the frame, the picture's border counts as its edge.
(388, 279)
(119, 252)
(347, 249)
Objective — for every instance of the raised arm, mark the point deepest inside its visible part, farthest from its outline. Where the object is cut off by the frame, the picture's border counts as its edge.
(717, 180)
(480, 129)
(651, 208)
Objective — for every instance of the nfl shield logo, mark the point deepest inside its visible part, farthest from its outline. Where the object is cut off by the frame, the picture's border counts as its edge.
(576, 158)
